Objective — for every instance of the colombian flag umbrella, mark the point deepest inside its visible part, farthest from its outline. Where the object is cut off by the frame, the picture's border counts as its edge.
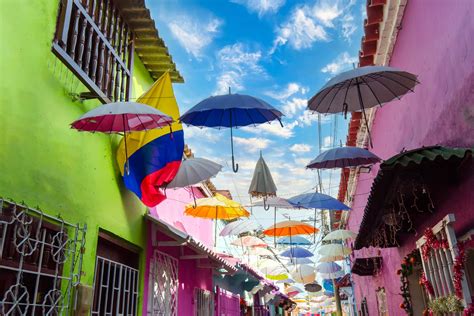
(153, 156)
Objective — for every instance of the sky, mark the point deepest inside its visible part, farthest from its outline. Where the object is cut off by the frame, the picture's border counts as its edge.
(277, 50)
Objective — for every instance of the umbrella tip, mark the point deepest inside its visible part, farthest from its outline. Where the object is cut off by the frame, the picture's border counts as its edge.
(229, 91)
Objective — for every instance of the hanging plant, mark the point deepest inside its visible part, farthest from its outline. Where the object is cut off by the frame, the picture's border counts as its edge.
(406, 269)
(424, 282)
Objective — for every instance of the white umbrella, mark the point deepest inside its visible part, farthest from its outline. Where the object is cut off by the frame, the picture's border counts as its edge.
(330, 258)
(334, 250)
(193, 171)
(332, 275)
(259, 251)
(249, 241)
(340, 234)
(303, 273)
(240, 226)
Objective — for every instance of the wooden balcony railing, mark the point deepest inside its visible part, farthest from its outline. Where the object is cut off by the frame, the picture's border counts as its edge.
(97, 45)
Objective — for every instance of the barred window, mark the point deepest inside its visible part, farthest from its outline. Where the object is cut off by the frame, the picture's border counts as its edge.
(94, 41)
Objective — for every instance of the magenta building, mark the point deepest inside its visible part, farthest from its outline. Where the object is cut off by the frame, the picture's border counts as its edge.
(426, 141)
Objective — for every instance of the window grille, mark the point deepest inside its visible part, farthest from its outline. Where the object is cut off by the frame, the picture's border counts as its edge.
(163, 286)
(261, 310)
(203, 302)
(228, 304)
(40, 261)
(438, 268)
(94, 41)
(115, 288)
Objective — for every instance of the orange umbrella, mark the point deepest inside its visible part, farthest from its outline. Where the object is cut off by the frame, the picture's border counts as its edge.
(290, 228)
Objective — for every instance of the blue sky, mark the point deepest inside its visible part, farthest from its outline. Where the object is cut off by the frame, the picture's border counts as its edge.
(281, 51)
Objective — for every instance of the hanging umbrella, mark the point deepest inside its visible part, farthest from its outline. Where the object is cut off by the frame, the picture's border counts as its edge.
(362, 88)
(332, 275)
(296, 252)
(340, 234)
(293, 290)
(343, 157)
(240, 226)
(277, 277)
(303, 273)
(290, 228)
(294, 261)
(217, 207)
(249, 241)
(318, 201)
(334, 250)
(330, 258)
(193, 171)
(231, 110)
(122, 117)
(294, 241)
(273, 270)
(259, 251)
(262, 185)
(328, 267)
(313, 287)
(287, 281)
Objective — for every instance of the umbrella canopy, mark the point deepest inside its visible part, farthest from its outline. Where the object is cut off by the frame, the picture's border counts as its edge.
(121, 117)
(362, 88)
(330, 258)
(217, 207)
(343, 157)
(262, 184)
(296, 252)
(276, 202)
(259, 251)
(334, 250)
(313, 287)
(290, 228)
(303, 273)
(273, 270)
(240, 226)
(340, 234)
(193, 171)
(288, 281)
(230, 110)
(249, 241)
(293, 261)
(277, 277)
(332, 275)
(328, 267)
(293, 289)
(318, 200)
(295, 240)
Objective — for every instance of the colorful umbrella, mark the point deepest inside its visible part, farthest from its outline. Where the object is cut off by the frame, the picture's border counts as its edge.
(328, 267)
(293, 290)
(277, 277)
(362, 88)
(217, 207)
(231, 110)
(287, 281)
(277, 202)
(340, 234)
(334, 250)
(259, 251)
(294, 261)
(330, 258)
(296, 252)
(249, 241)
(313, 287)
(343, 157)
(294, 241)
(290, 228)
(319, 201)
(193, 171)
(262, 185)
(240, 226)
(332, 275)
(303, 273)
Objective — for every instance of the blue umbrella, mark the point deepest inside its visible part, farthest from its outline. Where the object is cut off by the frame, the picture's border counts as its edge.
(318, 200)
(296, 252)
(294, 240)
(328, 285)
(342, 157)
(231, 110)
(328, 267)
(300, 261)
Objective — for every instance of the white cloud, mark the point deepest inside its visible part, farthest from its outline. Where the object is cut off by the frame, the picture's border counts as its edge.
(274, 128)
(348, 26)
(262, 7)
(327, 12)
(342, 62)
(327, 143)
(193, 34)
(199, 133)
(291, 107)
(283, 94)
(307, 118)
(300, 148)
(235, 63)
(252, 144)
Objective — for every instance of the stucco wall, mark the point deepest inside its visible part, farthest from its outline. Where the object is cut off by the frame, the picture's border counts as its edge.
(43, 162)
(435, 43)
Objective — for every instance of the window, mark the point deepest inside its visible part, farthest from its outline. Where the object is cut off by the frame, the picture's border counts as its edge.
(95, 42)
(203, 302)
(35, 248)
(163, 285)
(438, 267)
(116, 278)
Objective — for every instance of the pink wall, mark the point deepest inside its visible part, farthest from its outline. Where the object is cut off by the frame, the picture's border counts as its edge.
(435, 43)
(171, 211)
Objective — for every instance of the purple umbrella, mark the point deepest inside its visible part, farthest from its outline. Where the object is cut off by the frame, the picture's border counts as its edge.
(296, 252)
(343, 157)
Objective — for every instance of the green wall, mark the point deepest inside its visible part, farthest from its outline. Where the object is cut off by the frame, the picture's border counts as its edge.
(42, 161)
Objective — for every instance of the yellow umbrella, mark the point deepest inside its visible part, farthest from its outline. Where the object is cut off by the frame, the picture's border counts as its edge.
(290, 228)
(217, 207)
(277, 277)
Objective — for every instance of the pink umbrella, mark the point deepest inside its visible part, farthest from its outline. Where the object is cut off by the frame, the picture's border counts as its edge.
(249, 241)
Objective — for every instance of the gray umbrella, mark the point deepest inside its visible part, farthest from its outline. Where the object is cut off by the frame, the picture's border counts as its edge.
(193, 171)
(262, 185)
(343, 157)
(362, 88)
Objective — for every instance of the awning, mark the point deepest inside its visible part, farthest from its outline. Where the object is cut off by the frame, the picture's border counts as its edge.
(183, 239)
(402, 180)
(366, 266)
